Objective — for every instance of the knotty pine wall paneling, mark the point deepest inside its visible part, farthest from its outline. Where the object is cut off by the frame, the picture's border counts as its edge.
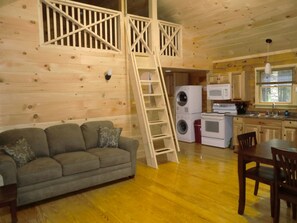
(45, 85)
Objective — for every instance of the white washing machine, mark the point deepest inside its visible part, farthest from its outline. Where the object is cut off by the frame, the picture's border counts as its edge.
(188, 99)
(185, 130)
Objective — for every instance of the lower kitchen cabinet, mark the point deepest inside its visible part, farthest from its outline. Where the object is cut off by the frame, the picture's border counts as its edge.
(237, 129)
(265, 129)
(289, 129)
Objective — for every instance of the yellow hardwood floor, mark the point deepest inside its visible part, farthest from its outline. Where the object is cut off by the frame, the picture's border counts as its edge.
(203, 187)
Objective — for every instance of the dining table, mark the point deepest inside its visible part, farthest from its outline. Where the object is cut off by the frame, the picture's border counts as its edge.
(262, 154)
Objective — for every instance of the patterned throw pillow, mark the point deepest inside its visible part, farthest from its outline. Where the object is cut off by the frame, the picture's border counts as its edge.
(109, 137)
(20, 152)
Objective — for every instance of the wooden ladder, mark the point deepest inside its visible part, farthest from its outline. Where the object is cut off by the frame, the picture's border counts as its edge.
(153, 109)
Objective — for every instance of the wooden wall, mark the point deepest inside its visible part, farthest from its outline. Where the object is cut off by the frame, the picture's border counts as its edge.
(249, 64)
(42, 85)
(45, 85)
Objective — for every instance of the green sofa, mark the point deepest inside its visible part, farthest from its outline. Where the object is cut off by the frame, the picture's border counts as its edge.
(67, 159)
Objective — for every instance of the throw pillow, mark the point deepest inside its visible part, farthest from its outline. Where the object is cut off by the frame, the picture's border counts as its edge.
(109, 137)
(20, 152)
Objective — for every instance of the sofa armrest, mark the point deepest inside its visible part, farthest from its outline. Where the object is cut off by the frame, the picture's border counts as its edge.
(131, 145)
(8, 169)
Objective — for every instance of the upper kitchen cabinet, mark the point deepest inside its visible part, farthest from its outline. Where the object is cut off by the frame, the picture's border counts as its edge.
(239, 86)
(218, 78)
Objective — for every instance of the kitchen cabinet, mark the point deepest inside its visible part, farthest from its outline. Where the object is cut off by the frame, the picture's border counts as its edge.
(239, 86)
(265, 129)
(289, 129)
(237, 129)
(219, 78)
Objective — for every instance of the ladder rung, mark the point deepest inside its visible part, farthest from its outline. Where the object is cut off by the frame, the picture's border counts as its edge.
(147, 68)
(163, 151)
(151, 95)
(157, 122)
(155, 109)
(160, 136)
(149, 81)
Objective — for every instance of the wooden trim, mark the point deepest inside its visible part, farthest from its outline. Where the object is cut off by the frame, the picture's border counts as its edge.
(256, 55)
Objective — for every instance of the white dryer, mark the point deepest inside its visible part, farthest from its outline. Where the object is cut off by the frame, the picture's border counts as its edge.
(185, 130)
(188, 99)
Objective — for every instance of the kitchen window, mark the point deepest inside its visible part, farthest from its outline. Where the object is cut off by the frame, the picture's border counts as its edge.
(279, 87)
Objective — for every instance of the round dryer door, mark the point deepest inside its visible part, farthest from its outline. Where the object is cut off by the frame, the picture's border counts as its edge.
(182, 127)
(181, 98)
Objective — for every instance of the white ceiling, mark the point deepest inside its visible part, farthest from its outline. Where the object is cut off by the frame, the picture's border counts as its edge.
(223, 29)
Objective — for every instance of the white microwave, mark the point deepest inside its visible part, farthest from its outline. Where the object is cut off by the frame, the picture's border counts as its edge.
(219, 91)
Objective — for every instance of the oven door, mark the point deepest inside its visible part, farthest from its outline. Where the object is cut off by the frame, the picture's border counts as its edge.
(213, 126)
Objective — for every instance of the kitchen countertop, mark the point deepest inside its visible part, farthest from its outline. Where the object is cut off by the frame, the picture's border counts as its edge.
(263, 116)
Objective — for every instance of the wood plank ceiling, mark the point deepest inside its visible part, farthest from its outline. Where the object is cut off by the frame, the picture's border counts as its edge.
(224, 29)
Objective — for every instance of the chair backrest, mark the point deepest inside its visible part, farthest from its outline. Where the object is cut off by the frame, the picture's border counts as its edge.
(247, 140)
(285, 166)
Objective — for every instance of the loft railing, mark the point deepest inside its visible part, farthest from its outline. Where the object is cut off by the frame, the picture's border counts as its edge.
(170, 39)
(140, 32)
(73, 24)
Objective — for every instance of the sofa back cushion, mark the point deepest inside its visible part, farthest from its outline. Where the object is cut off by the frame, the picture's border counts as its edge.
(90, 132)
(35, 137)
(64, 138)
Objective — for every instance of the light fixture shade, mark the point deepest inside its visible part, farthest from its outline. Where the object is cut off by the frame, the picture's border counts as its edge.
(267, 68)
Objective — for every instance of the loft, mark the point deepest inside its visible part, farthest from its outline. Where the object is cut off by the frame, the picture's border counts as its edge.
(73, 24)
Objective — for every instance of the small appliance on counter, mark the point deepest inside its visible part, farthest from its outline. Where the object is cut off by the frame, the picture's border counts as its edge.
(241, 107)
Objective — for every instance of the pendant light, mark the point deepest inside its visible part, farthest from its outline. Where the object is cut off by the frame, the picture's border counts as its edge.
(268, 70)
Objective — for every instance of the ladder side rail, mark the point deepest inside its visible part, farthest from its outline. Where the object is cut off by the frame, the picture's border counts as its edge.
(137, 91)
(167, 102)
(140, 99)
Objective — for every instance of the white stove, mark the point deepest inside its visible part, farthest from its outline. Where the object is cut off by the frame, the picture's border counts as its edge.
(216, 127)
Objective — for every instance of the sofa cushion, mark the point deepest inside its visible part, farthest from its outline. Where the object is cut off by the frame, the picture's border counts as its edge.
(39, 170)
(65, 138)
(110, 156)
(109, 137)
(35, 137)
(20, 152)
(90, 132)
(77, 162)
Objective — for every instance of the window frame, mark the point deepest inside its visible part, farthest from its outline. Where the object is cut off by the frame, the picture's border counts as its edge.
(284, 105)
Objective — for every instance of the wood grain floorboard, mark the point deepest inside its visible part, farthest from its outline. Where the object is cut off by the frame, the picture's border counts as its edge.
(203, 187)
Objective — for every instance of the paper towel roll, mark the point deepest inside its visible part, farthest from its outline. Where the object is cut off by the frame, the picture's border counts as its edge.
(1, 180)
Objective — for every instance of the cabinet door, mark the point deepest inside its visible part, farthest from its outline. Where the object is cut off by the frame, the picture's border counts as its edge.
(290, 134)
(213, 78)
(224, 78)
(268, 132)
(252, 128)
(236, 86)
(237, 130)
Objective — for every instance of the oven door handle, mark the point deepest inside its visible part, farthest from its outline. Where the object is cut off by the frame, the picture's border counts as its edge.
(212, 118)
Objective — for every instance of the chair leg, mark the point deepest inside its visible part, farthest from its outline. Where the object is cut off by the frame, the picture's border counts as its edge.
(276, 210)
(256, 188)
(294, 211)
(272, 200)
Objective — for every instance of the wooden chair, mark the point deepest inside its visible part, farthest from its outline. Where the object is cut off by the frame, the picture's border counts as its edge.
(285, 166)
(263, 174)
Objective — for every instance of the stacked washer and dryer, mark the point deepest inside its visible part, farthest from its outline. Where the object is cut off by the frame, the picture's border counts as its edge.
(188, 109)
